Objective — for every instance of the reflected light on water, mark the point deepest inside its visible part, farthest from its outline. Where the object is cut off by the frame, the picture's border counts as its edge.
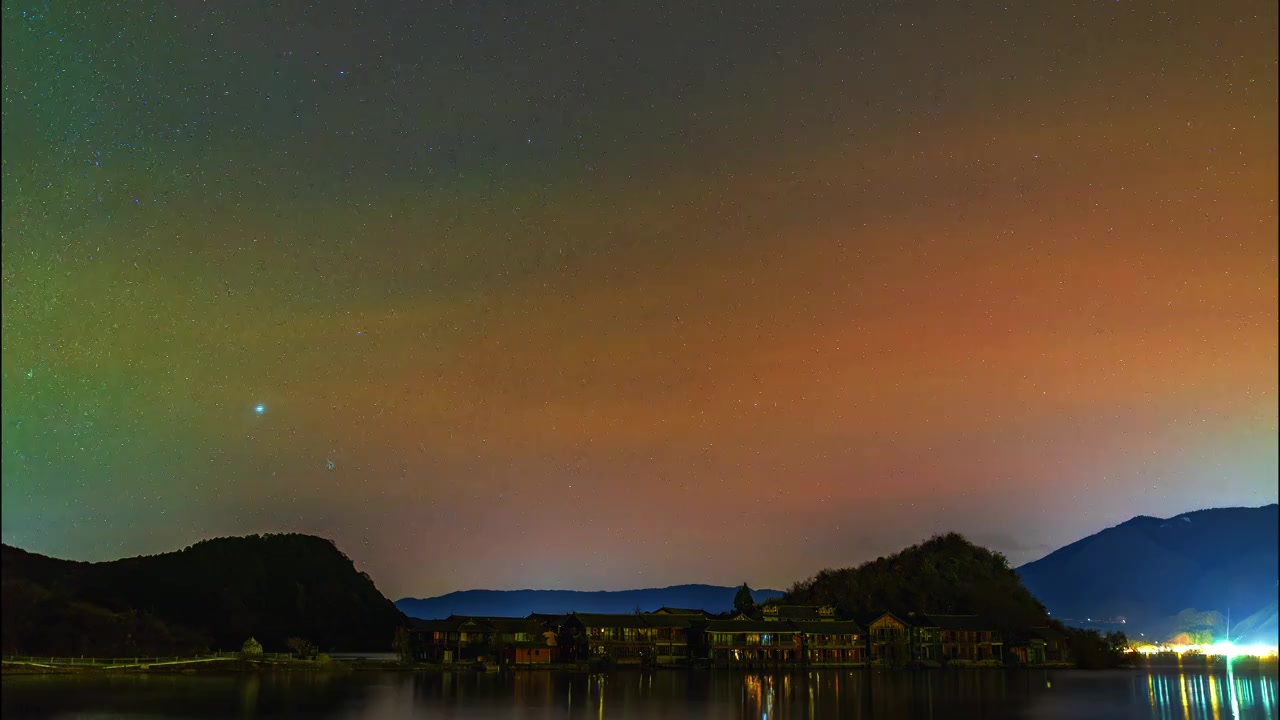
(1203, 696)
(1241, 691)
(1265, 693)
(1231, 691)
(1186, 696)
(760, 694)
(1194, 695)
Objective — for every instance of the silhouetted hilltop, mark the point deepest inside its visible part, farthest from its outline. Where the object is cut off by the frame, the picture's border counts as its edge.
(947, 575)
(519, 603)
(214, 594)
(1148, 570)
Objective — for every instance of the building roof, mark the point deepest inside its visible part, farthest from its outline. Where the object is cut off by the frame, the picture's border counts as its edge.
(507, 624)
(420, 625)
(453, 623)
(664, 610)
(1046, 633)
(955, 622)
(827, 627)
(550, 618)
(749, 626)
(475, 623)
(670, 621)
(866, 619)
(620, 620)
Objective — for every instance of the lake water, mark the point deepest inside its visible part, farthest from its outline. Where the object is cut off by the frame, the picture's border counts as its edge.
(699, 694)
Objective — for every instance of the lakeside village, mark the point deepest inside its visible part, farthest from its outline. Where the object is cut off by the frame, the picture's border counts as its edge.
(782, 635)
(775, 637)
(778, 636)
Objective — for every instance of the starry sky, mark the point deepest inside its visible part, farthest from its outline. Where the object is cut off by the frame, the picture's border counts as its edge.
(609, 295)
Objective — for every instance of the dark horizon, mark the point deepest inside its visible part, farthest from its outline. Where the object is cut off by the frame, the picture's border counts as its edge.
(755, 588)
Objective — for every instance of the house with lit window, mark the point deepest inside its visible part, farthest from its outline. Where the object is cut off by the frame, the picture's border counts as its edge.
(1040, 646)
(831, 642)
(465, 639)
(455, 639)
(618, 638)
(751, 642)
(670, 635)
(889, 640)
(520, 641)
(630, 639)
(797, 613)
(1057, 647)
(926, 641)
(963, 639)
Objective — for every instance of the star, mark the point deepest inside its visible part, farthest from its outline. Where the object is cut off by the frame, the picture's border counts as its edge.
(259, 409)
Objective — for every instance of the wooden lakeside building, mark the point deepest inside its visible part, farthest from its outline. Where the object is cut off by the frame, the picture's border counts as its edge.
(462, 639)
(659, 638)
(1041, 646)
(781, 636)
(956, 639)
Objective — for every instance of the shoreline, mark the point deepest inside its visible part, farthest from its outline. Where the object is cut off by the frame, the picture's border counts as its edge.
(240, 667)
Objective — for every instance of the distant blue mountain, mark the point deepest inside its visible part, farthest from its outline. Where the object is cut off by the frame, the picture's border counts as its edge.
(1260, 628)
(519, 603)
(1149, 570)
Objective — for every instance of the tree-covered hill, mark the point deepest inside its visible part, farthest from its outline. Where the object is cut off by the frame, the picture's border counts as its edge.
(947, 575)
(214, 594)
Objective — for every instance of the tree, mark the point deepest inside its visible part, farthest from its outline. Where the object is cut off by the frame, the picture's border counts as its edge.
(1092, 650)
(1117, 641)
(400, 643)
(304, 648)
(251, 648)
(743, 602)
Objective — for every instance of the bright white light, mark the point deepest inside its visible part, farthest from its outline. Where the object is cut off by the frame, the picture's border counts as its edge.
(259, 408)
(1223, 649)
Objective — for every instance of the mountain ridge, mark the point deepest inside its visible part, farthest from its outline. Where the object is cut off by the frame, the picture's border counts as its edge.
(518, 603)
(1150, 570)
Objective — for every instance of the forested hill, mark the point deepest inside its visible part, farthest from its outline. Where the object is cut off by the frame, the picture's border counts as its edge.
(214, 594)
(947, 575)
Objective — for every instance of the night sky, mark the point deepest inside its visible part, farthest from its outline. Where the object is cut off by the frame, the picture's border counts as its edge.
(610, 295)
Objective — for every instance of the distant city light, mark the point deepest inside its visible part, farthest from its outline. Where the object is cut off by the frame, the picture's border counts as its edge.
(1220, 649)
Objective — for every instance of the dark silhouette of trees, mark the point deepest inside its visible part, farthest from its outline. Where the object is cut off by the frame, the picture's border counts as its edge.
(304, 649)
(401, 644)
(211, 595)
(743, 602)
(1094, 651)
(945, 575)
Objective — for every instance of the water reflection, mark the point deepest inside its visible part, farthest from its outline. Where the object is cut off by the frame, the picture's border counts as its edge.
(1197, 694)
(1178, 693)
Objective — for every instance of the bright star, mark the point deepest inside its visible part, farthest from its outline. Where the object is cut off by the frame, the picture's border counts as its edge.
(259, 408)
